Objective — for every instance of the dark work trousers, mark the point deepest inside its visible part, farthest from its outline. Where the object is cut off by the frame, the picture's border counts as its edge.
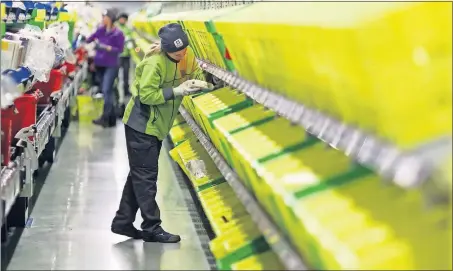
(141, 185)
(125, 64)
(106, 77)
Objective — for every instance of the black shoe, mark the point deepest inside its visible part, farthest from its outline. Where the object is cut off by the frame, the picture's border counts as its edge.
(131, 232)
(100, 122)
(161, 236)
(112, 123)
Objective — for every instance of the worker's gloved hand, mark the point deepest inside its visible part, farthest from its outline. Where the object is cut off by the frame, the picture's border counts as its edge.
(191, 87)
(101, 46)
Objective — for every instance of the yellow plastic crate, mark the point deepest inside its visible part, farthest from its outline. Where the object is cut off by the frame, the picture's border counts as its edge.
(238, 243)
(202, 33)
(262, 142)
(351, 59)
(236, 122)
(178, 120)
(263, 261)
(282, 179)
(162, 19)
(365, 219)
(216, 104)
(181, 132)
(191, 150)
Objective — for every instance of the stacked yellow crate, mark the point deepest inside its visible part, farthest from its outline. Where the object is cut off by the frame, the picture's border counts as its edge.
(357, 61)
(213, 105)
(381, 66)
(180, 132)
(156, 22)
(205, 40)
(140, 21)
(238, 244)
(306, 188)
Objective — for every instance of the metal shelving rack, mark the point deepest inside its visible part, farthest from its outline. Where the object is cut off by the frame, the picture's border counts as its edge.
(16, 179)
(405, 168)
(279, 243)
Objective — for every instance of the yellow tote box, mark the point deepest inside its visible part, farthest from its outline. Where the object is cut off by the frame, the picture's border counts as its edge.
(236, 122)
(180, 132)
(216, 104)
(89, 108)
(261, 143)
(297, 174)
(263, 261)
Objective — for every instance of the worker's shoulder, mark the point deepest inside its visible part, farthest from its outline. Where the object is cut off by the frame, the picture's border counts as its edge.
(118, 32)
(156, 59)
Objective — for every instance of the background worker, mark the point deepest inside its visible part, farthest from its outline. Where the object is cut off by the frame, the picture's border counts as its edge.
(164, 75)
(109, 42)
(125, 60)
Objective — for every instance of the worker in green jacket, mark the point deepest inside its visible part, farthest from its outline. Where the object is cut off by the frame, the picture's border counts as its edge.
(167, 73)
(125, 59)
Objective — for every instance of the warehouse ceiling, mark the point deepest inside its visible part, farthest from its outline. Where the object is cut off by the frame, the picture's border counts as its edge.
(127, 6)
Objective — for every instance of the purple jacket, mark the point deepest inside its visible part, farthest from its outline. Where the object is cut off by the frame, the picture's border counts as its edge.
(115, 39)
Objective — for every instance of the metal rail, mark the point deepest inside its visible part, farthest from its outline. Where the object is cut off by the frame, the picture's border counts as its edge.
(405, 168)
(277, 240)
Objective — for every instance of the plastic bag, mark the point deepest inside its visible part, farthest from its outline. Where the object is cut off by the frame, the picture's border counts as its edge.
(9, 91)
(31, 31)
(40, 53)
(59, 33)
(40, 58)
(197, 168)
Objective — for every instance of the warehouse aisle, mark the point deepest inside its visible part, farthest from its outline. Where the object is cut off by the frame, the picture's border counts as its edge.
(71, 219)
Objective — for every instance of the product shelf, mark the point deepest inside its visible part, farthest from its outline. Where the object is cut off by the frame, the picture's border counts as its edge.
(48, 125)
(10, 183)
(278, 242)
(405, 168)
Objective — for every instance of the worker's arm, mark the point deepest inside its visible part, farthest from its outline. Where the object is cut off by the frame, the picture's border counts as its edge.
(149, 91)
(93, 36)
(118, 45)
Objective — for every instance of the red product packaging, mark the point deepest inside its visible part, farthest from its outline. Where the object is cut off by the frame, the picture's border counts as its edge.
(54, 84)
(81, 55)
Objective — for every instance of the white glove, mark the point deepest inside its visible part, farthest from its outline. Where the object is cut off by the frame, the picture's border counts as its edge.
(191, 87)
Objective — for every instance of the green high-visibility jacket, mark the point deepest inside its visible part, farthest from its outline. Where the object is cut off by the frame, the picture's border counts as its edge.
(153, 107)
(127, 38)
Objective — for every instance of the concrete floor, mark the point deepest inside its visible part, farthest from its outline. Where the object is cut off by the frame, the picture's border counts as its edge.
(72, 216)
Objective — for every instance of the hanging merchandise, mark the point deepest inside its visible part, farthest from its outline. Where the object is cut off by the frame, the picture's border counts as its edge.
(59, 32)
(29, 6)
(20, 11)
(9, 91)
(40, 53)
